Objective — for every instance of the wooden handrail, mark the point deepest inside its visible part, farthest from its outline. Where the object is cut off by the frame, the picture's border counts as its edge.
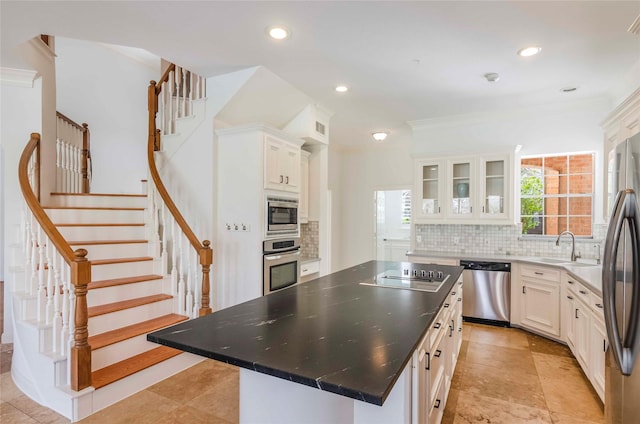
(70, 121)
(80, 276)
(85, 151)
(205, 254)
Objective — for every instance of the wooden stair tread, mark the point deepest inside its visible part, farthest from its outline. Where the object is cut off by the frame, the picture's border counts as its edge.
(120, 260)
(122, 369)
(100, 284)
(99, 208)
(99, 194)
(103, 224)
(130, 331)
(125, 304)
(94, 242)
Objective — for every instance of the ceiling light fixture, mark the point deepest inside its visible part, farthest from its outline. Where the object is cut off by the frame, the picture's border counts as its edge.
(529, 51)
(379, 136)
(492, 76)
(278, 32)
(342, 88)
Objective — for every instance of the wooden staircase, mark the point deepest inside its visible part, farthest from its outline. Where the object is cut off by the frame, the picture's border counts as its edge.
(127, 296)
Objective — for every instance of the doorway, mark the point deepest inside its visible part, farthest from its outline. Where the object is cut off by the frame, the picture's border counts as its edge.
(392, 217)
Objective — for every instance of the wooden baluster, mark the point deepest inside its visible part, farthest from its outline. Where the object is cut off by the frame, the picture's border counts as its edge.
(189, 296)
(33, 283)
(58, 164)
(80, 351)
(192, 84)
(181, 288)
(77, 180)
(206, 258)
(67, 296)
(179, 94)
(65, 167)
(156, 225)
(72, 182)
(165, 239)
(27, 251)
(84, 166)
(41, 293)
(58, 337)
(51, 265)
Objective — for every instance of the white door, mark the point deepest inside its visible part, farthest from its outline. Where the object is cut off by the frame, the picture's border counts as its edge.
(392, 214)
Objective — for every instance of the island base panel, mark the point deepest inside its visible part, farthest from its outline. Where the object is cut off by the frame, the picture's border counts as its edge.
(270, 400)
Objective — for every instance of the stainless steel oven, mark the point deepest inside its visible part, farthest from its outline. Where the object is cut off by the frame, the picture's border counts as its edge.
(281, 264)
(281, 217)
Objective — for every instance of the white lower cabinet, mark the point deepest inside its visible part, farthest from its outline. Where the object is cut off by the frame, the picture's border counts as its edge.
(598, 351)
(540, 299)
(435, 360)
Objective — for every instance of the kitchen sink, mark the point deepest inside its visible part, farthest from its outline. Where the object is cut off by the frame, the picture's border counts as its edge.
(552, 260)
(566, 262)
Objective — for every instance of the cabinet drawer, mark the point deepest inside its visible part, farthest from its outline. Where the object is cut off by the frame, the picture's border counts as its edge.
(438, 328)
(540, 273)
(428, 260)
(597, 306)
(309, 268)
(579, 290)
(436, 407)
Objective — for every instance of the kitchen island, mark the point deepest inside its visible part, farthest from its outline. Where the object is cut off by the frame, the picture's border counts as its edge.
(333, 334)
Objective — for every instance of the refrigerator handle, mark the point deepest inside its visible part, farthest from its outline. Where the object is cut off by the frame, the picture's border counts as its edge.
(625, 208)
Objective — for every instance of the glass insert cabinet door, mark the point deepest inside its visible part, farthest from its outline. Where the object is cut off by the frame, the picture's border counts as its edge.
(461, 188)
(494, 187)
(430, 204)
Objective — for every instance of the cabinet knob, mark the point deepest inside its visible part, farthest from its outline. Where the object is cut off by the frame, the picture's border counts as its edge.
(539, 273)
(599, 305)
(281, 179)
(437, 404)
(582, 291)
(286, 180)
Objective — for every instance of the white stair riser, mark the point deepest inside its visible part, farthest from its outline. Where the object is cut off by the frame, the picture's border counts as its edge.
(99, 201)
(112, 251)
(123, 292)
(121, 270)
(117, 352)
(103, 233)
(96, 216)
(107, 322)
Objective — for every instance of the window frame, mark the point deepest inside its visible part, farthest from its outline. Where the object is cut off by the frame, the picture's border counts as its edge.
(568, 195)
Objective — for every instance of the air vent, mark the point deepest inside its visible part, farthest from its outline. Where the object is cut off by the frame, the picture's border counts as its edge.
(320, 128)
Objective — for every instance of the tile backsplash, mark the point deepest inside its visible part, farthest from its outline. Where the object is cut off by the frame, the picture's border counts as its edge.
(310, 239)
(502, 240)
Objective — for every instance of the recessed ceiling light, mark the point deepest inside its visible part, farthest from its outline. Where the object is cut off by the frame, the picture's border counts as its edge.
(492, 76)
(568, 89)
(341, 88)
(379, 136)
(529, 51)
(278, 32)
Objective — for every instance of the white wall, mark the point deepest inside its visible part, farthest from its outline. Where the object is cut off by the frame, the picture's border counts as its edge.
(20, 114)
(107, 90)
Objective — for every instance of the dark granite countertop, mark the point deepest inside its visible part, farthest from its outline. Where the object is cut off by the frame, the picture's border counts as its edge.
(330, 333)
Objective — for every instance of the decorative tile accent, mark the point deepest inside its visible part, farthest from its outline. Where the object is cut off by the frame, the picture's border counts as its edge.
(310, 239)
(502, 240)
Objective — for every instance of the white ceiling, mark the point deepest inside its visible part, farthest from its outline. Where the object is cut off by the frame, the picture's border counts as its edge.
(370, 46)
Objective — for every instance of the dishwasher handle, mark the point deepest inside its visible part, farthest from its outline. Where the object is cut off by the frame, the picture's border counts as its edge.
(486, 266)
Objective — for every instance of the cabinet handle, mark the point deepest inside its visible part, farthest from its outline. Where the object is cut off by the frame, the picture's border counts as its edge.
(483, 209)
(281, 179)
(446, 305)
(438, 325)
(599, 305)
(438, 209)
(471, 209)
(577, 313)
(437, 404)
(438, 353)
(569, 281)
(538, 273)
(570, 297)
(428, 367)
(304, 270)
(286, 179)
(453, 293)
(459, 299)
(582, 291)
(524, 290)
(604, 345)
(453, 324)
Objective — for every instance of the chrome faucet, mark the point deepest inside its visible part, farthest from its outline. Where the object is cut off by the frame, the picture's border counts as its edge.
(573, 244)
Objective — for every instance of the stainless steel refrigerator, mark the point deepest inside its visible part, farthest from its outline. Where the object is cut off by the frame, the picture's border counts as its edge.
(621, 285)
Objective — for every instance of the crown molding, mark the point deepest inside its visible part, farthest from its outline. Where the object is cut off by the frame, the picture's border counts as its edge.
(42, 48)
(17, 77)
(628, 106)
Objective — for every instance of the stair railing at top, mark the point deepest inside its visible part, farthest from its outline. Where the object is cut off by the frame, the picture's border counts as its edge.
(73, 156)
(56, 275)
(173, 96)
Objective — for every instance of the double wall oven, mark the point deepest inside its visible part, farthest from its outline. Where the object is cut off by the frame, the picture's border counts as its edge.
(281, 248)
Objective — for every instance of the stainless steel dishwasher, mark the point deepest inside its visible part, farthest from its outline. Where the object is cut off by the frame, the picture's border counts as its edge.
(487, 292)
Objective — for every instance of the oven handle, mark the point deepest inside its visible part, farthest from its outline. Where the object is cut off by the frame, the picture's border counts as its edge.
(276, 257)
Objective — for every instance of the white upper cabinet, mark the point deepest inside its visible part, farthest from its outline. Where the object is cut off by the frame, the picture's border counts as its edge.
(470, 190)
(303, 207)
(282, 165)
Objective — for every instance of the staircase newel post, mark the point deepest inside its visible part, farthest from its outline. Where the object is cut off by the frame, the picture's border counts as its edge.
(206, 258)
(84, 166)
(80, 351)
(153, 109)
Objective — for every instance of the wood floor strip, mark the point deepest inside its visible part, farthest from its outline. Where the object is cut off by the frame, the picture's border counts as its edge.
(94, 242)
(122, 369)
(120, 260)
(100, 284)
(110, 337)
(125, 304)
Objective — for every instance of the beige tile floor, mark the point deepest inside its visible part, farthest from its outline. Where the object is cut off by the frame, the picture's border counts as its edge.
(504, 376)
